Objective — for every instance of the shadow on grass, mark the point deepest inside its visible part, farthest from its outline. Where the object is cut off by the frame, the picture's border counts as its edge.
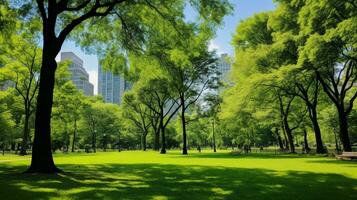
(157, 181)
(262, 155)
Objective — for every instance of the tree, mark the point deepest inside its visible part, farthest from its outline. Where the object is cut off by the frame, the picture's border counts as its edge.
(259, 72)
(330, 52)
(190, 82)
(188, 65)
(198, 129)
(91, 114)
(67, 106)
(272, 40)
(128, 18)
(214, 107)
(157, 97)
(284, 112)
(23, 59)
(309, 93)
(7, 124)
(304, 85)
(139, 114)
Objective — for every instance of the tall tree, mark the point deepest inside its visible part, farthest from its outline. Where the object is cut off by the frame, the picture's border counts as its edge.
(91, 117)
(157, 97)
(330, 52)
(190, 82)
(6, 122)
(308, 88)
(139, 114)
(23, 60)
(132, 20)
(191, 69)
(214, 107)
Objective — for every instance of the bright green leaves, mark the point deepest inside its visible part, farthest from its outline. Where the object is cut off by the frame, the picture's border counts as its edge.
(346, 31)
(7, 122)
(114, 61)
(212, 11)
(180, 58)
(316, 16)
(284, 18)
(287, 53)
(145, 28)
(7, 18)
(20, 53)
(333, 44)
(253, 31)
(316, 48)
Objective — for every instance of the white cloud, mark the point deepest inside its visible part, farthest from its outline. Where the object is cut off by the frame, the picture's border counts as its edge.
(93, 78)
(212, 46)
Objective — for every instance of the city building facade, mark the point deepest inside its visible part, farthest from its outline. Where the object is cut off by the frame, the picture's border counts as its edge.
(111, 87)
(224, 67)
(79, 75)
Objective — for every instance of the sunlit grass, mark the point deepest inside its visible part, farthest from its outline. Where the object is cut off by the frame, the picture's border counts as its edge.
(150, 175)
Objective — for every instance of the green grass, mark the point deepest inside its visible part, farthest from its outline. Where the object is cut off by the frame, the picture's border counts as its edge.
(149, 175)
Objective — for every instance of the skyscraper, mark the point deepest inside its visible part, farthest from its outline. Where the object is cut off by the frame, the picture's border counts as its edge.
(79, 75)
(111, 87)
(224, 67)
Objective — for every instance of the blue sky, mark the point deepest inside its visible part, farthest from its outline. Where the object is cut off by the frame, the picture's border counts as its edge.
(222, 42)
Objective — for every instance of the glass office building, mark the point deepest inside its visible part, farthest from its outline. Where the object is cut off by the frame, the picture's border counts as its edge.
(79, 75)
(111, 87)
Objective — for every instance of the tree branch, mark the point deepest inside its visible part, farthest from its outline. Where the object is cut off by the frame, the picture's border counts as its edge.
(64, 7)
(326, 88)
(350, 106)
(93, 12)
(41, 8)
(198, 95)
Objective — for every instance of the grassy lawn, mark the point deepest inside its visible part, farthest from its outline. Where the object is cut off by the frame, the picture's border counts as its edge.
(149, 175)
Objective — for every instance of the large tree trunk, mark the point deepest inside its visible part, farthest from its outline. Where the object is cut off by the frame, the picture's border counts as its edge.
(74, 135)
(143, 141)
(345, 139)
(286, 143)
(338, 97)
(157, 139)
(25, 138)
(313, 116)
(289, 135)
(42, 161)
(163, 142)
(156, 131)
(183, 122)
(290, 140)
